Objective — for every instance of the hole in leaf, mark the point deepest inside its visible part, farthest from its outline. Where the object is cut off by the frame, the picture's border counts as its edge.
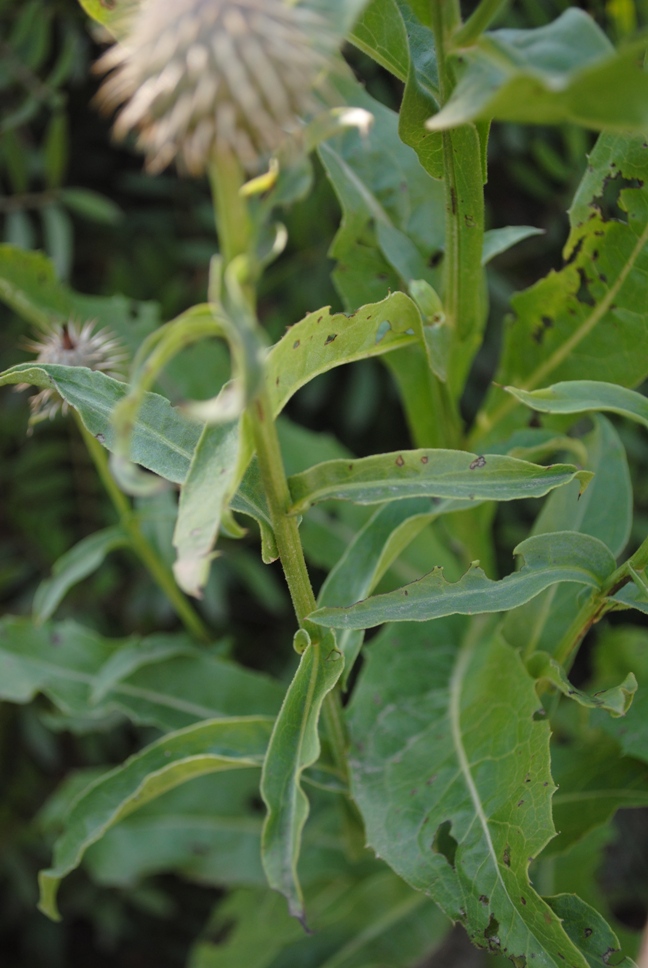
(584, 295)
(519, 961)
(444, 843)
(493, 928)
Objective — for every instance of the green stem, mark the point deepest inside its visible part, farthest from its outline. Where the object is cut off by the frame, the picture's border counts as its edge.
(235, 235)
(291, 554)
(463, 284)
(147, 554)
(479, 21)
(593, 610)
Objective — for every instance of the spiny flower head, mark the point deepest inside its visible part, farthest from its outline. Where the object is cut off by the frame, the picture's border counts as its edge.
(199, 76)
(71, 344)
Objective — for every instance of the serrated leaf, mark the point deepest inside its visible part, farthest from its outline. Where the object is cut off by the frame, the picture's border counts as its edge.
(295, 745)
(161, 680)
(222, 744)
(580, 396)
(163, 441)
(548, 559)
(564, 71)
(586, 321)
(616, 700)
(72, 567)
(450, 770)
(428, 473)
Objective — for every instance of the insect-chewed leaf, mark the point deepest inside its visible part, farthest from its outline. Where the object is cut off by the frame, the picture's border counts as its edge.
(450, 769)
(583, 322)
(549, 558)
(436, 473)
(220, 744)
(323, 340)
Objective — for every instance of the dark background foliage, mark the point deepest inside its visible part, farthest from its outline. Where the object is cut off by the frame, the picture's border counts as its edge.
(66, 188)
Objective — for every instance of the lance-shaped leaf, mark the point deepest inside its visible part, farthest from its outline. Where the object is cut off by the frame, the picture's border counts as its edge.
(590, 932)
(323, 340)
(436, 473)
(367, 558)
(450, 769)
(161, 680)
(586, 321)
(565, 71)
(616, 700)
(501, 240)
(295, 745)
(579, 396)
(215, 471)
(163, 441)
(72, 567)
(548, 559)
(218, 744)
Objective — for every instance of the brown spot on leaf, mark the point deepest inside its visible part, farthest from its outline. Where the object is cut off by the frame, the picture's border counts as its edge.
(400, 460)
(425, 459)
(478, 462)
(296, 344)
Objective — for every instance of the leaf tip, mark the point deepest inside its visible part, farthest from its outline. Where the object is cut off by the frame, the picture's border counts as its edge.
(48, 884)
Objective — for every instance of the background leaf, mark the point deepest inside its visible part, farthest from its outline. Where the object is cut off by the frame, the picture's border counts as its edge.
(224, 744)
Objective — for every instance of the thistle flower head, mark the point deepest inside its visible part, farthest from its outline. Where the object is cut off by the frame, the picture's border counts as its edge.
(199, 76)
(71, 344)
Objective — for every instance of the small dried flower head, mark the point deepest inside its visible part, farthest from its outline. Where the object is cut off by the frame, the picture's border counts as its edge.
(197, 76)
(71, 344)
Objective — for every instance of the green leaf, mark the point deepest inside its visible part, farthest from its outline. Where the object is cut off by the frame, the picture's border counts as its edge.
(548, 559)
(214, 474)
(161, 680)
(603, 511)
(428, 473)
(75, 565)
(594, 781)
(358, 922)
(392, 211)
(113, 15)
(619, 651)
(380, 33)
(497, 241)
(198, 831)
(450, 770)
(366, 559)
(163, 440)
(295, 745)
(564, 71)
(91, 205)
(220, 744)
(616, 700)
(582, 322)
(580, 396)
(28, 284)
(323, 340)
(589, 932)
